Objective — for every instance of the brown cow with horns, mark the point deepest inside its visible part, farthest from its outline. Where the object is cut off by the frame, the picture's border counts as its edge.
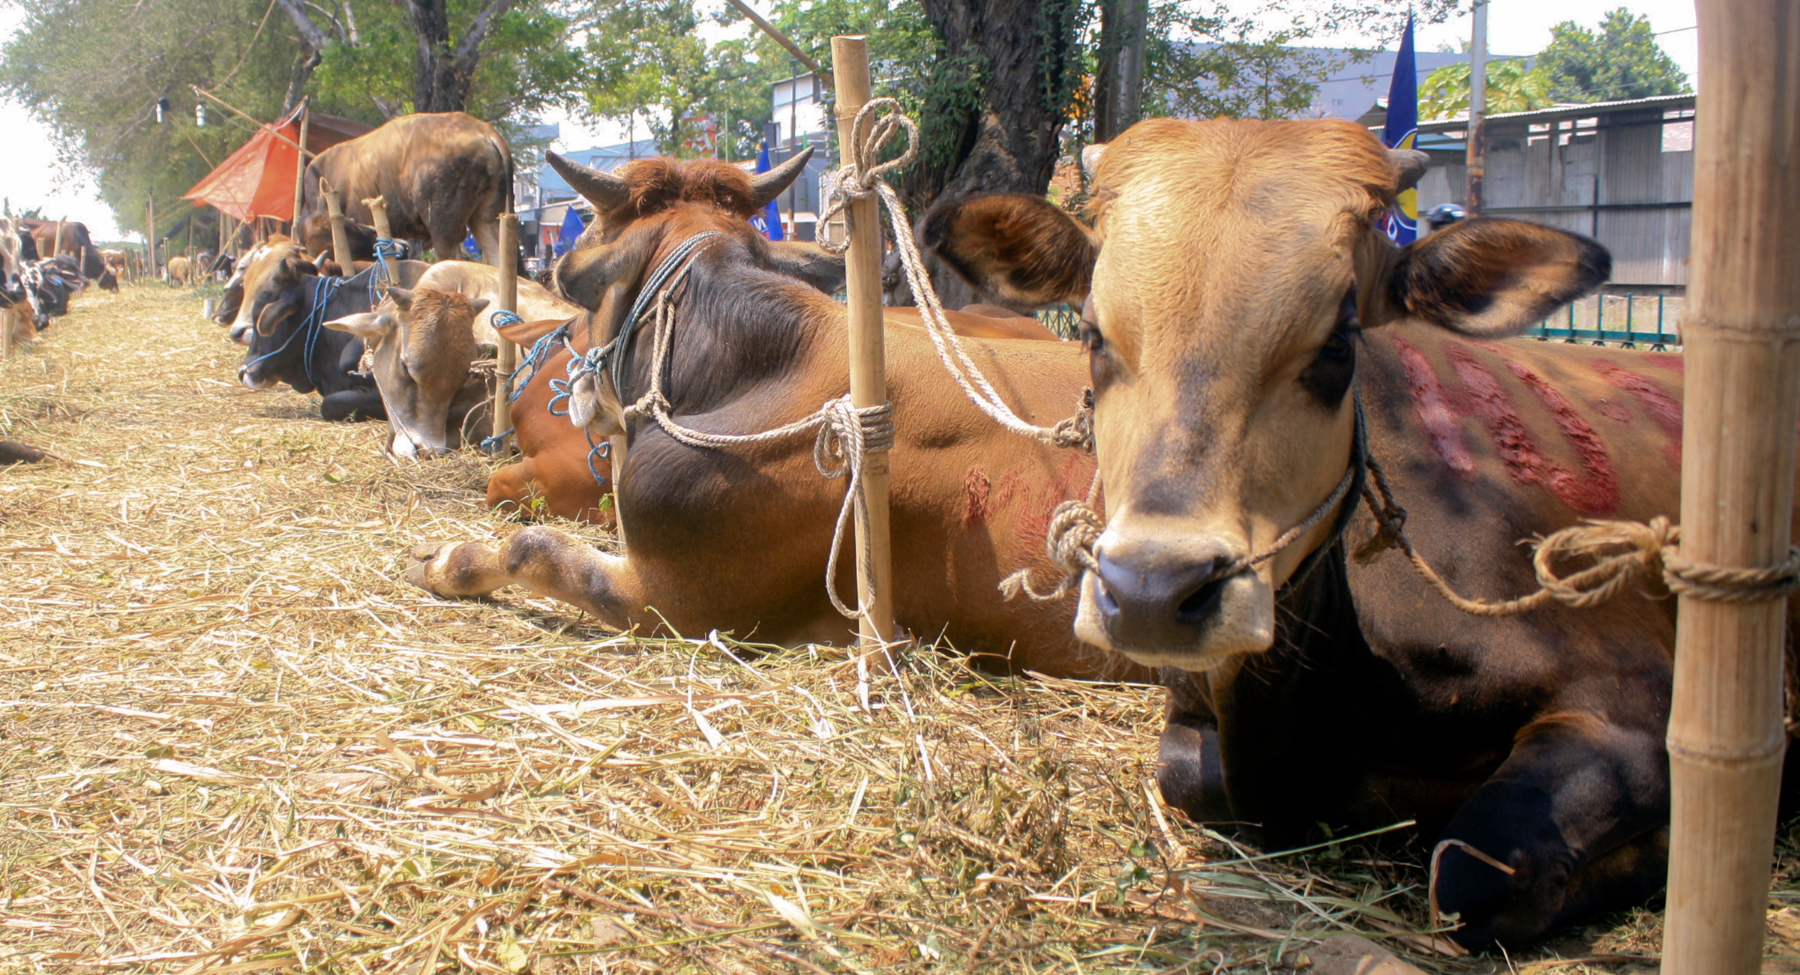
(737, 538)
(1255, 345)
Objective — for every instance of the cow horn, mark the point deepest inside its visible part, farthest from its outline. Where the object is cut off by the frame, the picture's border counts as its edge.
(767, 186)
(604, 190)
(1408, 166)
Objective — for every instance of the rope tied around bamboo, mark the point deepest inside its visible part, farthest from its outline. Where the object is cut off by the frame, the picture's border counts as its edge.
(844, 434)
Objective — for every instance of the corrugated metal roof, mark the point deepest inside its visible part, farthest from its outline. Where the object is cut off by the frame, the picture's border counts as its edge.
(1561, 112)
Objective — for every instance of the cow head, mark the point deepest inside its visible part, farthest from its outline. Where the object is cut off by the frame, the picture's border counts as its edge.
(246, 283)
(419, 346)
(644, 211)
(274, 313)
(1229, 270)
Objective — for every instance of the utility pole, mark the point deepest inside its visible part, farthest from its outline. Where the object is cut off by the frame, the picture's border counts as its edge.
(1477, 109)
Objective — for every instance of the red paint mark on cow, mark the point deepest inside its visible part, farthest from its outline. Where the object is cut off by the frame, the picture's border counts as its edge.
(1599, 493)
(1490, 403)
(1662, 409)
(1612, 411)
(1433, 409)
(1668, 360)
(978, 488)
(1071, 481)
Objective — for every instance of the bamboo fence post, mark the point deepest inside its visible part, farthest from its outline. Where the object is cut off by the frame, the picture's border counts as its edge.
(56, 245)
(294, 229)
(150, 232)
(340, 238)
(378, 212)
(1726, 740)
(868, 375)
(506, 357)
(192, 213)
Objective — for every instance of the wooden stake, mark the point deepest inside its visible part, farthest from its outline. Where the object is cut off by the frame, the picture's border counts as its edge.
(507, 357)
(192, 213)
(150, 237)
(340, 238)
(56, 245)
(378, 212)
(1726, 741)
(868, 370)
(294, 229)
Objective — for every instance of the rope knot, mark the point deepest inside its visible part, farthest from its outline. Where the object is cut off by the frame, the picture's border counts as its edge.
(1624, 552)
(1076, 431)
(860, 177)
(1069, 539)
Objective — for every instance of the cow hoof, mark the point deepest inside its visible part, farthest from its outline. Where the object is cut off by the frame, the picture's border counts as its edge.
(424, 557)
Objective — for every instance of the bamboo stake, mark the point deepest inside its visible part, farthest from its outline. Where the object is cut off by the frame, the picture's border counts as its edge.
(56, 245)
(192, 213)
(294, 229)
(340, 238)
(507, 356)
(1726, 741)
(378, 212)
(868, 371)
(150, 235)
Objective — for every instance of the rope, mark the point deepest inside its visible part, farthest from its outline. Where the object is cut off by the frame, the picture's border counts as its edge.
(869, 135)
(534, 359)
(843, 434)
(1625, 552)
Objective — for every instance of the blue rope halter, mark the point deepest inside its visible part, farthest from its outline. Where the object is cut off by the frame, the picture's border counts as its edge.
(312, 326)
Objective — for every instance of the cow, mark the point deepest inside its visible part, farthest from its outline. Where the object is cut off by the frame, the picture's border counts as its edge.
(442, 175)
(738, 538)
(1255, 341)
(564, 472)
(56, 237)
(16, 313)
(420, 350)
(247, 277)
(178, 271)
(289, 343)
(47, 286)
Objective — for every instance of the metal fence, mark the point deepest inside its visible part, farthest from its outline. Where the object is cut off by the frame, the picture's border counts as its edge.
(1626, 320)
(1064, 320)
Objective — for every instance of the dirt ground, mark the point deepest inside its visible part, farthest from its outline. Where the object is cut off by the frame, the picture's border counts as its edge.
(232, 740)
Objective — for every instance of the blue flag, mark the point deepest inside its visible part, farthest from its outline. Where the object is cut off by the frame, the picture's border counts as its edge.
(767, 223)
(571, 229)
(1401, 132)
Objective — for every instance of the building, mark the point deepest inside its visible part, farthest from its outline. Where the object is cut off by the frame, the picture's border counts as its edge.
(797, 120)
(1621, 172)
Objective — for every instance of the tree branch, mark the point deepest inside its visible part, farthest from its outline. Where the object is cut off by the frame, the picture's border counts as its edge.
(310, 33)
(468, 50)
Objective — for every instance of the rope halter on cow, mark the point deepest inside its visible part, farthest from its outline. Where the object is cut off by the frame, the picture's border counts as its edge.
(843, 433)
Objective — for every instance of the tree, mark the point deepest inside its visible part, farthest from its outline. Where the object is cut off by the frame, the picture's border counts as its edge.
(1512, 86)
(1622, 61)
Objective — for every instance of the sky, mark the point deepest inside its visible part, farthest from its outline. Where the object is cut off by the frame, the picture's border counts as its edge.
(31, 175)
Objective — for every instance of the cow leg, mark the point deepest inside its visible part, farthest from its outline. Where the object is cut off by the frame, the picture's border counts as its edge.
(543, 560)
(1574, 811)
(352, 404)
(487, 236)
(513, 489)
(1190, 769)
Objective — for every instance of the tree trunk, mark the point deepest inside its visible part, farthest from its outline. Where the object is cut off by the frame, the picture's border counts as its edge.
(1021, 59)
(1119, 76)
(442, 71)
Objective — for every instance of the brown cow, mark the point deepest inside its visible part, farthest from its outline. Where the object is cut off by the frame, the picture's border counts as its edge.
(1248, 327)
(54, 237)
(442, 175)
(737, 539)
(564, 471)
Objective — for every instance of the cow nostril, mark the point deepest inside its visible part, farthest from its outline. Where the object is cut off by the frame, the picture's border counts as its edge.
(1203, 603)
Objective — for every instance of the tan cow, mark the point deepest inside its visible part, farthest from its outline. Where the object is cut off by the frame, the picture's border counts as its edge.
(1257, 347)
(420, 351)
(177, 271)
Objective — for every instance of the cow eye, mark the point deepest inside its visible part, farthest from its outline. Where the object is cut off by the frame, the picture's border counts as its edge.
(1333, 367)
(1090, 327)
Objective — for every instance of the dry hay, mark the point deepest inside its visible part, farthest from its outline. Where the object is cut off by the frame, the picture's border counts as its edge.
(232, 741)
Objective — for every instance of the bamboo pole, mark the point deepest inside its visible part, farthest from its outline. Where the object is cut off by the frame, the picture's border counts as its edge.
(150, 235)
(1726, 741)
(868, 371)
(192, 213)
(507, 356)
(340, 238)
(378, 212)
(294, 229)
(56, 245)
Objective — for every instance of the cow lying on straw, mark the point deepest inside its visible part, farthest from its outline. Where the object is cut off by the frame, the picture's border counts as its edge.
(739, 538)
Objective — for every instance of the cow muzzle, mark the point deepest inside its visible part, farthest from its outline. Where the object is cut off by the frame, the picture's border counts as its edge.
(1174, 600)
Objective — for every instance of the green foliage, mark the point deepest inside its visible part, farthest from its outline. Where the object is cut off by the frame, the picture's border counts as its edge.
(1511, 87)
(1622, 60)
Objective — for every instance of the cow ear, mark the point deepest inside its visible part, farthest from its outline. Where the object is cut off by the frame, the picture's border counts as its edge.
(486, 350)
(810, 263)
(403, 298)
(478, 305)
(1023, 248)
(525, 333)
(1491, 278)
(369, 326)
